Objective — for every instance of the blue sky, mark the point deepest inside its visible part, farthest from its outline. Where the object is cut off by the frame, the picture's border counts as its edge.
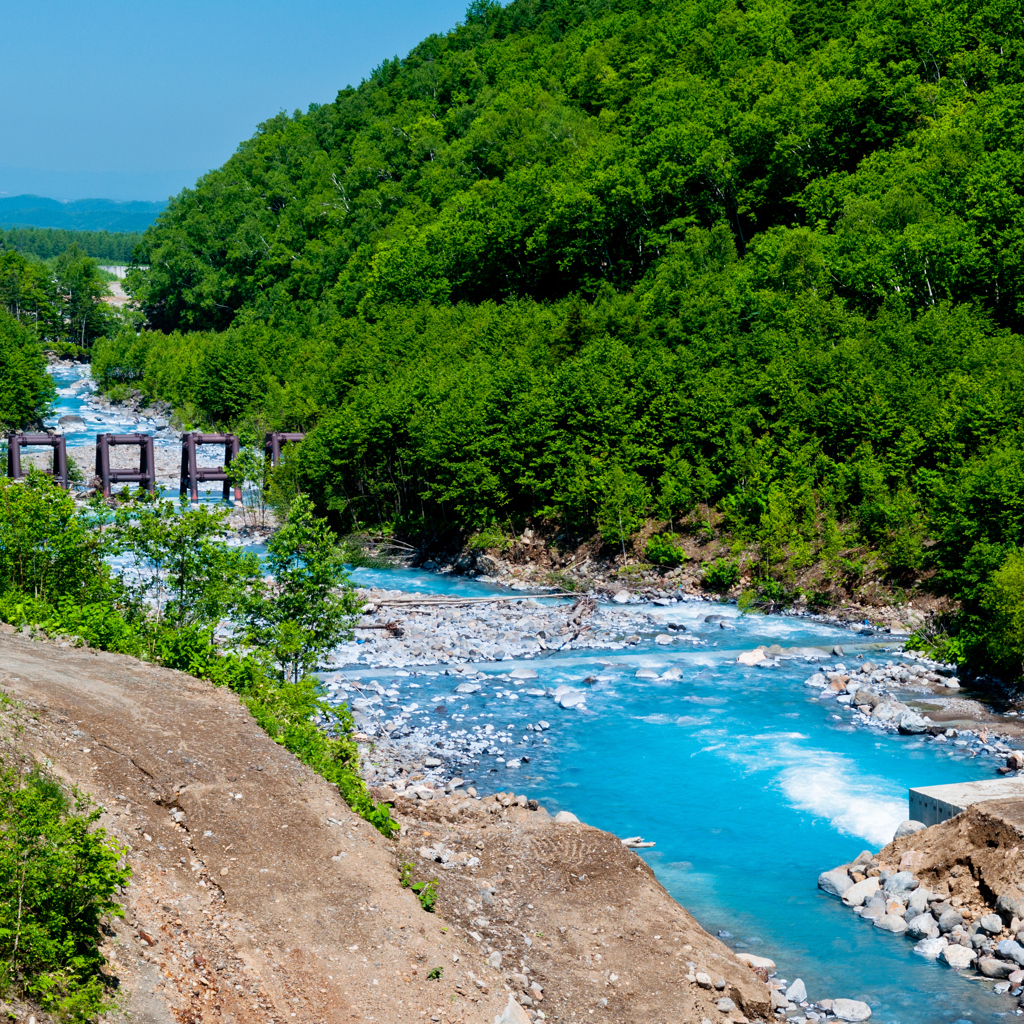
(137, 100)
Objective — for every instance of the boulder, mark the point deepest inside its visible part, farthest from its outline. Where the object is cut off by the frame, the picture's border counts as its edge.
(860, 891)
(949, 919)
(868, 697)
(924, 926)
(851, 1009)
(563, 817)
(910, 723)
(645, 673)
(756, 962)
(1010, 950)
(1015, 760)
(467, 688)
(908, 828)
(892, 923)
(797, 991)
(1009, 907)
(901, 882)
(522, 672)
(725, 1005)
(993, 968)
(918, 901)
(956, 956)
(622, 597)
(931, 948)
(835, 882)
(751, 658)
(990, 924)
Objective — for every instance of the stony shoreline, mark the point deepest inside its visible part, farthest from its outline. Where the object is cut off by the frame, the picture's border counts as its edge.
(955, 889)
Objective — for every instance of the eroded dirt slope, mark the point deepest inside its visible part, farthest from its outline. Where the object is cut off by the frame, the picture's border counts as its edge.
(258, 896)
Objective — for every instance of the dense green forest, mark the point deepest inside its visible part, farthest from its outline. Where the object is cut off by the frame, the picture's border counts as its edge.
(589, 264)
(104, 246)
(58, 300)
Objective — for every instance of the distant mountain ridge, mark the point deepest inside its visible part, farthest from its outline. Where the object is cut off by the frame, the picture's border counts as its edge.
(79, 215)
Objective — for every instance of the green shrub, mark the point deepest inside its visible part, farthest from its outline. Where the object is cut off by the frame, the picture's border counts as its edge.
(58, 878)
(662, 550)
(721, 575)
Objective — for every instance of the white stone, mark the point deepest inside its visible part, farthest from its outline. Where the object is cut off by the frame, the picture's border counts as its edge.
(958, 956)
(565, 816)
(931, 948)
(663, 639)
(797, 991)
(521, 672)
(860, 891)
(756, 961)
(514, 1014)
(850, 1009)
(751, 658)
(622, 597)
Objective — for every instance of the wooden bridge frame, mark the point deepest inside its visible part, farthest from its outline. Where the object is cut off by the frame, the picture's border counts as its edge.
(17, 441)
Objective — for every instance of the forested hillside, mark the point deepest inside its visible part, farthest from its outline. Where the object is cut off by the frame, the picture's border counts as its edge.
(105, 246)
(592, 264)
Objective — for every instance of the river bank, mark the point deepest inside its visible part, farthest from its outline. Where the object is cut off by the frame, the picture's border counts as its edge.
(643, 719)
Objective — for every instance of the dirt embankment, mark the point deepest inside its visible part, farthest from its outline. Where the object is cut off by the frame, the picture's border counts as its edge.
(974, 857)
(258, 896)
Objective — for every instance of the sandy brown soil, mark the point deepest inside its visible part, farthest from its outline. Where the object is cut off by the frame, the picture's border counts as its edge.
(258, 896)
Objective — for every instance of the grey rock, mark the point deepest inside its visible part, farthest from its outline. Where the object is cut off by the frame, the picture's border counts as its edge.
(797, 991)
(991, 924)
(957, 956)
(467, 688)
(892, 923)
(432, 762)
(851, 1009)
(908, 828)
(924, 926)
(949, 920)
(860, 891)
(918, 901)
(1011, 950)
(993, 968)
(901, 882)
(931, 948)
(494, 960)
(520, 672)
(725, 1005)
(703, 980)
(565, 817)
(1009, 907)
(835, 882)
(71, 422)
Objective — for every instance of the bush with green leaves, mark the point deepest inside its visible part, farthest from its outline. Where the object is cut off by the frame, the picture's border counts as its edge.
(721, 575)
(662, 549)
(59, 875)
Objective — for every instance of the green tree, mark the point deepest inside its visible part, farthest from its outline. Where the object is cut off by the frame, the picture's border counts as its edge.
(309, 606)
(180, 563)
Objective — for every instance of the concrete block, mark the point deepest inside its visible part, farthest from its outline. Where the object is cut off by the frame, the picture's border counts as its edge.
(932, 804)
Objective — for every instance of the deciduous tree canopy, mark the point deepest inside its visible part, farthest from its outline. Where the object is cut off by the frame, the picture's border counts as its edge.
(592, 262)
